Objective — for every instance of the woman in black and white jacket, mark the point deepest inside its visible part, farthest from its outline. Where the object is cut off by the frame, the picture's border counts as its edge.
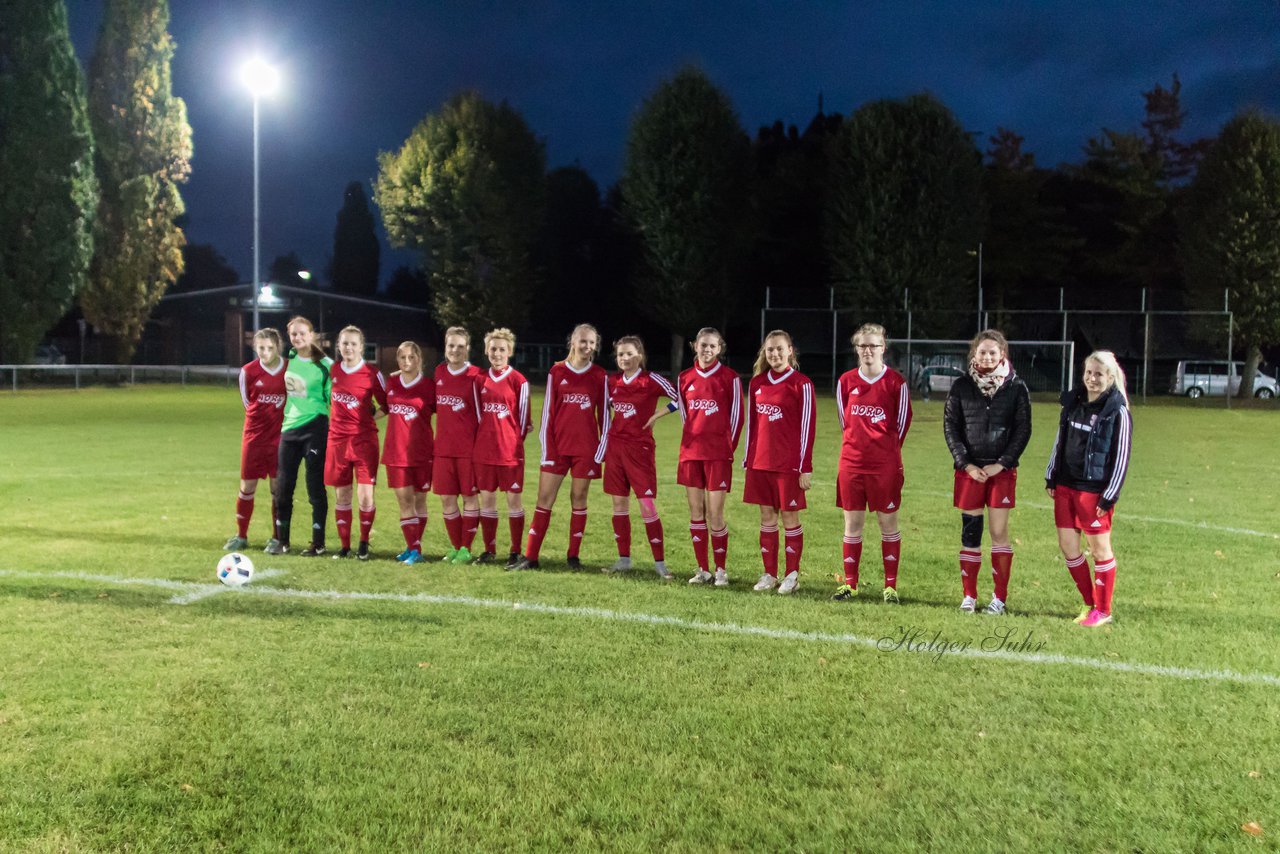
(1086, 470)
(987, 423)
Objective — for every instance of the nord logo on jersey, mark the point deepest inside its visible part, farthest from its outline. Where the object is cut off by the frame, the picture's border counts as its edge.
(500, 409)
(626, 410)
(774, 412)
(457, 404)
(577, 399)
(350, 401)
(276, 400)
(710, 407)
(407, 412)
(875, 413)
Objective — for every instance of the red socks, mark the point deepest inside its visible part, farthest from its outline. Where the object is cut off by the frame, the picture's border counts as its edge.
(515, 523)
(794, 548)
(342, 521)
(577, 526)
(366, 523)
(470, 524)
(698, 535)
(537, 532)
(1104, 584)
(409, 527)
(653, 531)
(970, 565)
(244, 512)
(891, 551)
(720, 547)
(1001, 568)
(453, 527)
(622, 532)
(489, 530)
(852, 558)
(1079, 568)
(769, 549)
(417, 534)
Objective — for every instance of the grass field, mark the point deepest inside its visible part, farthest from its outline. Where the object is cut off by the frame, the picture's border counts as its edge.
(449, 708)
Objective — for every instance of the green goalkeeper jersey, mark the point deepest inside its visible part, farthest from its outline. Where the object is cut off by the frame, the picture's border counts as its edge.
(306, 383)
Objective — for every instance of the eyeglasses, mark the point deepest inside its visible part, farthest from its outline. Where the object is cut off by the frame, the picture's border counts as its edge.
(868, 346)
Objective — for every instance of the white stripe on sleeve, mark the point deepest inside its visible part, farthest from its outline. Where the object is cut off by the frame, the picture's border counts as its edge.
(546, 413)
(244, 390)
(1123, 436)
(806, 416)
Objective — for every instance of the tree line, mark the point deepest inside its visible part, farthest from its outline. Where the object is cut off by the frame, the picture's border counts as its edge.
(894, 197)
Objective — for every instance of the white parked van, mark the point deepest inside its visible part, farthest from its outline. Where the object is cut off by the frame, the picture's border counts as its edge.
(1195, 379)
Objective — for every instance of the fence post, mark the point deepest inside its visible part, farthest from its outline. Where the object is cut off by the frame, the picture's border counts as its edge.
(77, 377)
(1231, 332)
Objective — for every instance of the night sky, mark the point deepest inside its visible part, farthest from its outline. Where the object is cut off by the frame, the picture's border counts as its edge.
(359, 76)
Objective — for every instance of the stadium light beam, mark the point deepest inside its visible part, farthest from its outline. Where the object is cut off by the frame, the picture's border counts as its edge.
(261, 79)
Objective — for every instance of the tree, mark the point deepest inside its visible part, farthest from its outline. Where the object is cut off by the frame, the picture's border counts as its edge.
(905, 208)
(49, 191)
(143, 153)
(1231, 231)
(466, 189)
(686, 188)
(569, 253)
(204, 268)
(408, 285)
(284, 270)
(354, 269)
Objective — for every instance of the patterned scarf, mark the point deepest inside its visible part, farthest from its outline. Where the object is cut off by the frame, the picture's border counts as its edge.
(989, 383)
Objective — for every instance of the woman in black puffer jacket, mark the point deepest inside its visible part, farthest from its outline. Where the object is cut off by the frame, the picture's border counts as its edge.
(987, 422)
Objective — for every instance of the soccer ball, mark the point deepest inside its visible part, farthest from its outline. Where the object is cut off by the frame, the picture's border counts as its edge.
(235, 569)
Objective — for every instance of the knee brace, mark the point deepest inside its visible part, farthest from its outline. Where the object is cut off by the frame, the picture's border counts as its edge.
(970, 531)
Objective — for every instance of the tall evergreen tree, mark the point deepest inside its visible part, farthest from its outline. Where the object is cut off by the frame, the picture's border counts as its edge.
(905, 209)
(686, 188)
(467, 190)
(143, 153)
(48, 193)
(1231, 231)
(354, 268)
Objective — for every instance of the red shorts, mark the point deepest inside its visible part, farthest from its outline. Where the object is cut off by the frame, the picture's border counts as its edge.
(880, 493)
(777, 489)
(1075, 509)
(711, 475)
(453, 476)
(998, 491)
(581, 468)
(630, 468)
(491, 478)
(346, 454)
(259, 459)
(419, 477)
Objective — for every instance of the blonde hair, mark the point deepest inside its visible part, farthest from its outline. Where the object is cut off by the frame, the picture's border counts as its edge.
(315, 351)
(458, 330)
(269, 334)
(762, 364)
(708, 330)
(869, 329)
(502, 333)
(634, 341)
(352, 330)
(1112, 368)
(989, 335)
(583, 327)
(412, 347)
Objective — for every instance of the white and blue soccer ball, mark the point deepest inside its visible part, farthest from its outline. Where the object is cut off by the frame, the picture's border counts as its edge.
(235, 569)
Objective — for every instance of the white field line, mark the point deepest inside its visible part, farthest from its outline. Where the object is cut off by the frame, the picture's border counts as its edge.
(918, 644)
(215, 589)
(1180, 523)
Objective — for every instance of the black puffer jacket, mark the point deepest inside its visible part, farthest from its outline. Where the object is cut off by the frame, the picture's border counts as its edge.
(983, 430)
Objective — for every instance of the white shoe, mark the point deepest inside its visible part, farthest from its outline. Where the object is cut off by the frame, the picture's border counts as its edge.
(789, 583)
(722, 578)
(968, 604)
(700, 577)
(623, 564)
(766, 582)
(660, 567)
(996, 608)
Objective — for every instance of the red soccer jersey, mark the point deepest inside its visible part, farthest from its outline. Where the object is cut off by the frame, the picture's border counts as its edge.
(875, 416)
(504, 418)
(409, 408)
(711, 404)
(632, 403)
(780, 423)
(263, 394)
(573, 413)
(355, 395)
(457, 409)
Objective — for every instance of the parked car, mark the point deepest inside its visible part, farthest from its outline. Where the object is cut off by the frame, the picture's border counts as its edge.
(937, 378)
(1217, 378)
(47, 354)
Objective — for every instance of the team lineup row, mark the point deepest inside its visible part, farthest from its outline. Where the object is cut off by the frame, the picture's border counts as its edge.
(309, 408)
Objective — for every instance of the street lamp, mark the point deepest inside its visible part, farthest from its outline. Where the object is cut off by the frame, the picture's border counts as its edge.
(261, 79)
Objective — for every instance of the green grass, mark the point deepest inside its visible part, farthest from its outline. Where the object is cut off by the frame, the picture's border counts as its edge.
(248, 722)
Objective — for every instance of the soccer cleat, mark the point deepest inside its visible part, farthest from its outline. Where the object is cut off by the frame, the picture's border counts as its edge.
(342, 554)
(1084, 615)
(362, 553)
(404, 554)
(1096, 618)
(235, 544)
(995, 608)
(700, 577)
(486, 557)
(512, 560)
(622, 564)
(891, 596)
(766, 582)
(275, 547)
(449, 556)
(462, 555)
(722, 578)
(844, 593)
(524, 563)
(573, 562)
(968, 604)
(789, 583)
(660, 567)
(312, 550)
(413, 557)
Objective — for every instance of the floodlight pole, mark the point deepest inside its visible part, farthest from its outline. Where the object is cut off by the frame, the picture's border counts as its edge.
(256, 217)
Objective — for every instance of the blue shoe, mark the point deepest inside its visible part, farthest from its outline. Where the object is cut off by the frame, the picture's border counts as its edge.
(413, 557)
(404, 554)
